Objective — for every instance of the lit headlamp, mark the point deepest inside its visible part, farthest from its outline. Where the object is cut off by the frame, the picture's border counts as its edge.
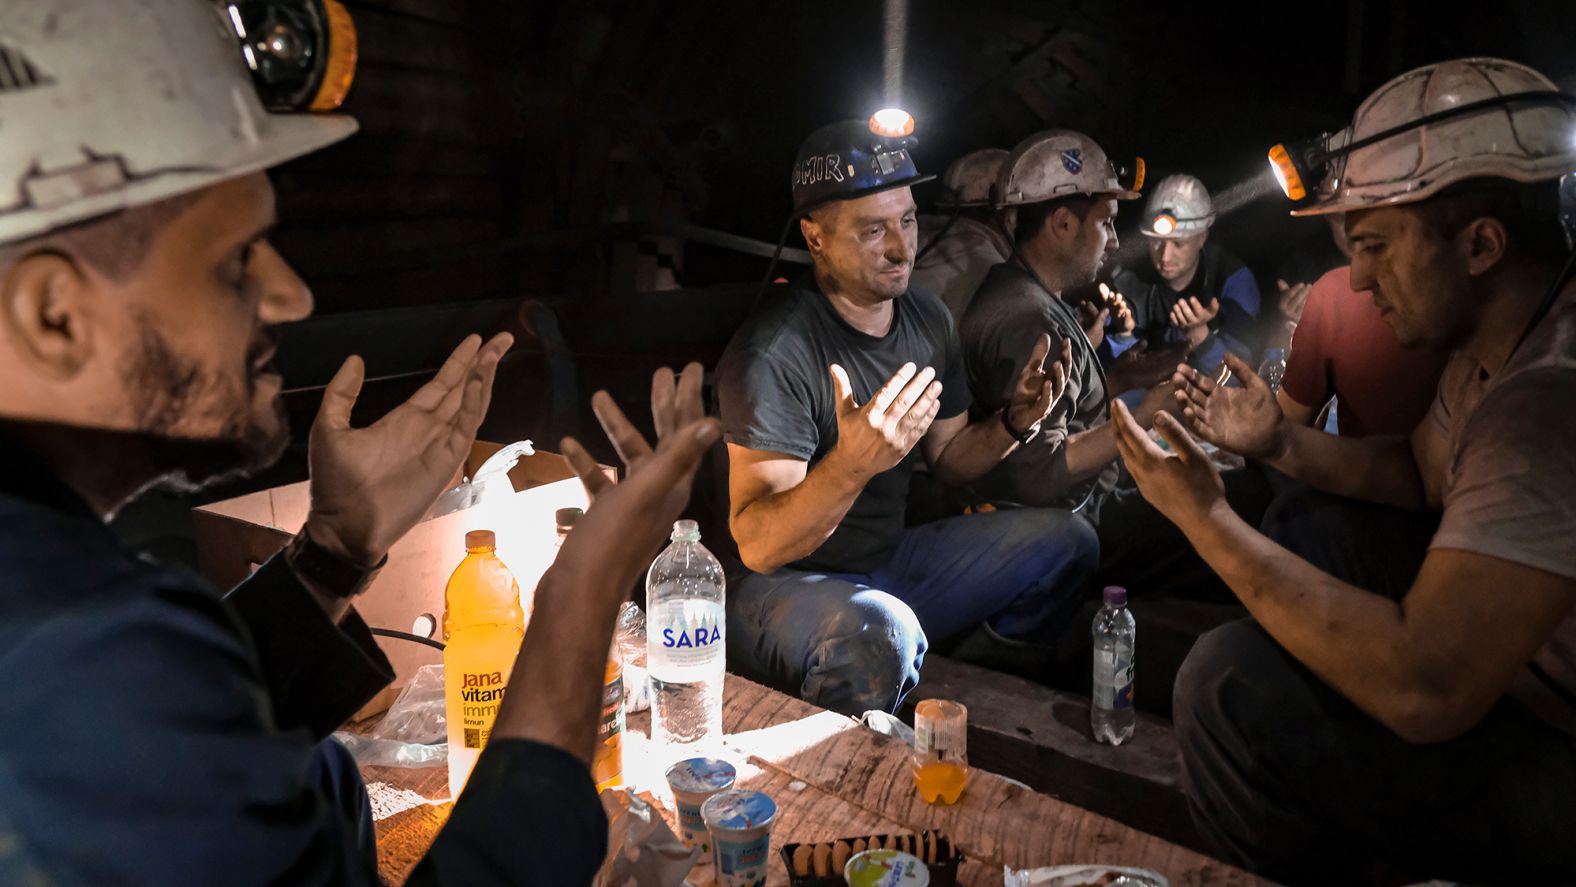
(302, 53)
(1130, 175)
(1299, 165)
(894, 126)
(892, 123)
(1163, 223)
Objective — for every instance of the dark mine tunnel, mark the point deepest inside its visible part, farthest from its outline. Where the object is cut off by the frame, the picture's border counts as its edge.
(1325, 454)
(558, 154)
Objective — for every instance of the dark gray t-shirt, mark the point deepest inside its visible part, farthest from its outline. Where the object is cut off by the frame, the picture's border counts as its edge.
(999, 329)
(776, 396)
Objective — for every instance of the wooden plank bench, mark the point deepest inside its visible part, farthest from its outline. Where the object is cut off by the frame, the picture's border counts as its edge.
(1041, 737)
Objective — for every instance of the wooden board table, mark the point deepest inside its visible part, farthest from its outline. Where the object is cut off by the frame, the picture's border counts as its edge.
(831, 777)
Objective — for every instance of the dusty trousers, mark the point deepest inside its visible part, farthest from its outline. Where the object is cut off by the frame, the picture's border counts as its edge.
(1286, 777)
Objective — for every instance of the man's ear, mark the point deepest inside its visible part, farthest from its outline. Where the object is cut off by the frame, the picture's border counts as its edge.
(1064, 223)
(812, 235)
(45, 313)
(1485, 242)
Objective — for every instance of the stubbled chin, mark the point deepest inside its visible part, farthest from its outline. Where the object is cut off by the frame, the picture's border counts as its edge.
(894, 286)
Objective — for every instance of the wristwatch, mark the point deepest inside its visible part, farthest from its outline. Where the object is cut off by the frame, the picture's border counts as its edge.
(332, 573)
(1022, 437)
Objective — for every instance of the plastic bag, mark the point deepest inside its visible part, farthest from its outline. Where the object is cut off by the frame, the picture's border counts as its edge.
(888, 724)
(370, 752)
(1082, 875)
(642, 850)
(414, 732)
(418, 715)
(471, 491)
(629, 636)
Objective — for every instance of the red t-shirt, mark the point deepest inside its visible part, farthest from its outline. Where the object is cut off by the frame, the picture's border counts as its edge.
(1344, 348)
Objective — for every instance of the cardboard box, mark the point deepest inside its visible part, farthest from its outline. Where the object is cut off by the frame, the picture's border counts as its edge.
(237, 535)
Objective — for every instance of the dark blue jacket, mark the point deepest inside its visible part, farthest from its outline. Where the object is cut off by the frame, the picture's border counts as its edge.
(1220, 275)
(152, 732)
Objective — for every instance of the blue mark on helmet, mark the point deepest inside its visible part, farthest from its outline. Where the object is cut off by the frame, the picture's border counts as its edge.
(1072, 158)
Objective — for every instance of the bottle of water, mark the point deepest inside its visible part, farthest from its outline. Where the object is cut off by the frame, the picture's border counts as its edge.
(1111, 710)
(685, 647)
(1273, 368)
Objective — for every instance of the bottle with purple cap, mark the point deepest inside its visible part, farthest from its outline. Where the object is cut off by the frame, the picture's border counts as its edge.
(1111, 707)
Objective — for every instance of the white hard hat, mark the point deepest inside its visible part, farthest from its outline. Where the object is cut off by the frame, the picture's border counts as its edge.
(1057, 163)
(119, 103)
(1178, 207)
(968, 181)
(1521, 141)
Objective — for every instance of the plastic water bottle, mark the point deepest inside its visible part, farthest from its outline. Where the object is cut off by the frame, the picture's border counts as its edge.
(1111, 712)
(686, 645)
(1273, 368)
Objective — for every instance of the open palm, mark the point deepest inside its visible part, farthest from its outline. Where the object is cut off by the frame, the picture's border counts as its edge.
(1246, 421)
(371, 485)
(628, 522)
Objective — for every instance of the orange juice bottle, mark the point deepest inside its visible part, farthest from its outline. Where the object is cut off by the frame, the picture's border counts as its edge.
(941, 763)
(607, 767)
(482, 628)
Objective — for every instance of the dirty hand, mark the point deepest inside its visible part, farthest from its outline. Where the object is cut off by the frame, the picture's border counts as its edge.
(1184, 484)
(1122, 322)
(875, 437)
(371, 485)
(627, 522)
(1193, 318)
(1246, 421)
(1138, 367)
(1293, 299)
(1039, 387)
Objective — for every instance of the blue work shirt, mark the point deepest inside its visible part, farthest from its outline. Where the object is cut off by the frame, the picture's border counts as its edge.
(153, 732)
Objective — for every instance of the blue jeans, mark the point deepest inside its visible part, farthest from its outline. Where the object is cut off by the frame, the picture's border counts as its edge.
(855, 642)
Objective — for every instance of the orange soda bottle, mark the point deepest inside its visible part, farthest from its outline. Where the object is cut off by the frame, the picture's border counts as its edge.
(607, 767)
(483, 625)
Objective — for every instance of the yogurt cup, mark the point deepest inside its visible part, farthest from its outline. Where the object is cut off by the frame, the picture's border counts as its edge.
(693, 781)
(886, 868)
(740, 823)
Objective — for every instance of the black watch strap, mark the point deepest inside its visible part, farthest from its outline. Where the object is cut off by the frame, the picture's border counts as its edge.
(1022, 437)
(329, 572)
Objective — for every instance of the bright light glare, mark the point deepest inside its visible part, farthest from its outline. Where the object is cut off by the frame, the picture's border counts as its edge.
(1280, 177)
(1164, 225)
(235, 16)
(892, 123)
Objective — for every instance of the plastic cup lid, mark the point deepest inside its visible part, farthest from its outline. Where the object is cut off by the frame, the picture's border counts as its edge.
(701, 775)
(886, 868)
(738, 810)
